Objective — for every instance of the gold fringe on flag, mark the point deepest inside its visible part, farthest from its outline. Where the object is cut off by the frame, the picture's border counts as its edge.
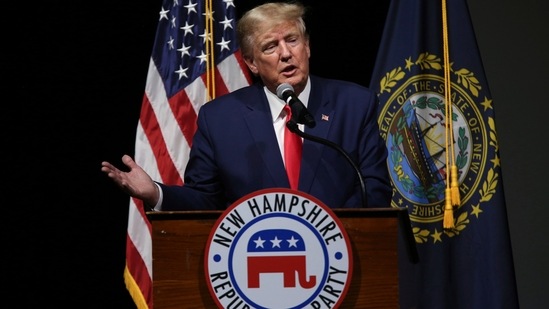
(452, 187)
(456, 199)
(448, 222)
(134, 290)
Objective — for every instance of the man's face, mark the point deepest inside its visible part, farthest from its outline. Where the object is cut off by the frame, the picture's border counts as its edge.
(281, 55)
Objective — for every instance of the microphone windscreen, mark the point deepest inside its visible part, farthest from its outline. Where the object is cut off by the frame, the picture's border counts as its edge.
(283, 90)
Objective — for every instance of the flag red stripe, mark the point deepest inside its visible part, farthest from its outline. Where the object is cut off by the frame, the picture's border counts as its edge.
(220, 87)
(135, 262)
(184, 114)
(138, 270)
(150, 125)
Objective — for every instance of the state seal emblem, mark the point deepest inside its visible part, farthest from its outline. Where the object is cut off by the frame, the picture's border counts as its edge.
(413, 123)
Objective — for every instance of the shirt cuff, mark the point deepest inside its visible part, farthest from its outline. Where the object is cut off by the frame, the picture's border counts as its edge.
(158, 206)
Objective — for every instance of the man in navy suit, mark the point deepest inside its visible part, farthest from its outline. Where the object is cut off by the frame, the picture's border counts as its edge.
(237, 147)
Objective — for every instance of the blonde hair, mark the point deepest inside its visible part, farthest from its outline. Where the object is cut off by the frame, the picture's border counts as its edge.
(264, 16)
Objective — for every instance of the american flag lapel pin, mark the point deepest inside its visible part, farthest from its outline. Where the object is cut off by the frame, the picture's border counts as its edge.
(325, 117)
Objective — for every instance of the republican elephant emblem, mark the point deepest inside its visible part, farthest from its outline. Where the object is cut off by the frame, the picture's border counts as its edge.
(278, 251)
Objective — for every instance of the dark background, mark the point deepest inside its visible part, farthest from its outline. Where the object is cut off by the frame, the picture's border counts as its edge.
(75, 77)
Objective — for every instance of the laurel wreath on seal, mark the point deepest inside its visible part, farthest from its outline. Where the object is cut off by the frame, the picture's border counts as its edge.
(489, 187)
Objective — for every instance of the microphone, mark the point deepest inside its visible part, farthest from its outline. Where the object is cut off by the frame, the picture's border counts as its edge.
(285, 92)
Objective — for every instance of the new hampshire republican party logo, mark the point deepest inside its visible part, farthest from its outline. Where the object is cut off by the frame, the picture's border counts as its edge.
(278, 248)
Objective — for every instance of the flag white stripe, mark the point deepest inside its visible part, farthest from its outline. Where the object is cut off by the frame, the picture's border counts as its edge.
(140, 236)
(171, 133)
(144, 155)
(234, 79)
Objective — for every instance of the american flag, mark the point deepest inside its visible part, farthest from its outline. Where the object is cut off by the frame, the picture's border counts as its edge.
(195, 58)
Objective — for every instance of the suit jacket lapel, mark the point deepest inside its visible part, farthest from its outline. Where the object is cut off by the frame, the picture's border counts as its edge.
(260, 124)
(322, 111)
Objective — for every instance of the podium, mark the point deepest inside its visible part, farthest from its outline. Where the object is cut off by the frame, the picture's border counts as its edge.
(179, 240)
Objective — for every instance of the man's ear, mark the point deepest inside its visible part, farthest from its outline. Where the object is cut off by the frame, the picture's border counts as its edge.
(250, 63)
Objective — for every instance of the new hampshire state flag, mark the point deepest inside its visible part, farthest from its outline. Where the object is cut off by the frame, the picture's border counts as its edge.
(429, 57)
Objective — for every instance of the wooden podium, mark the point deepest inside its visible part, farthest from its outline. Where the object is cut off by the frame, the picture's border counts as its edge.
(179, 240)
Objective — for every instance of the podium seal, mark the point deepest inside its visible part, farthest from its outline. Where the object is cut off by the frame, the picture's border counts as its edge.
(278, 248)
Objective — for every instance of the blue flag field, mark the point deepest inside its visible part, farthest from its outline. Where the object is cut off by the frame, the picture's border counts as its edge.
(429, 58)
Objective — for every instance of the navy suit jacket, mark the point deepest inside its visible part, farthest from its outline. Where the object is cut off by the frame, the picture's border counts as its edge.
(235, 150)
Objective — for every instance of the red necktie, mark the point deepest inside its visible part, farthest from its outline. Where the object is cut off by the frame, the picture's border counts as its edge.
(292, 152)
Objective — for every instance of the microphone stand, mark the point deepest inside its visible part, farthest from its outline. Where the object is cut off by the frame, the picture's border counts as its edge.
(292, 125)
